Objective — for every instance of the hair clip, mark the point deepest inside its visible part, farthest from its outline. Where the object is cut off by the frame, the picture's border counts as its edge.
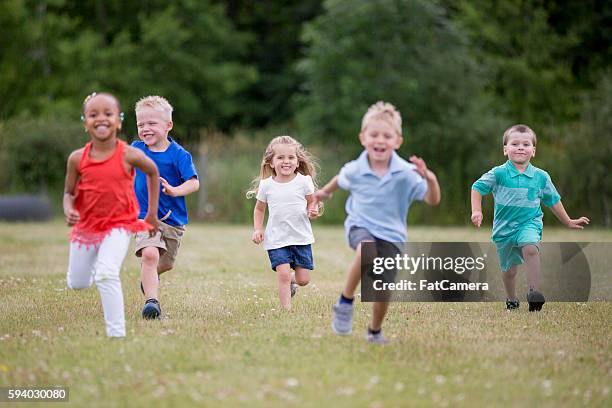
(88, 97)
(82, 118)
(121, 116)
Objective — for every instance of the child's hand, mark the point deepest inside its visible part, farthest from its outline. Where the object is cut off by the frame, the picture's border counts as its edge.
(321, 195)
(421, 167)
(154, 222)
(167, 188)
(477, 218)
(313, 210)
(72, 217)
(258, 236)
(579, 223)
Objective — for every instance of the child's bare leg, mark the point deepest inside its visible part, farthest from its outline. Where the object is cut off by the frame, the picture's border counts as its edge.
(379, 310)
(531, 254)
(283, 277)
(353, 276)
(509, 278)
(302, 276)
(148, 271)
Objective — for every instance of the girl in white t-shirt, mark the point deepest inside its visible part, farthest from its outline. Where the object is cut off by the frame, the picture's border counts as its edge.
(286, 184)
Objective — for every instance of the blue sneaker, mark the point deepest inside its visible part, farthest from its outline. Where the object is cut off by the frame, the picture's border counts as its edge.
(376, 338)
(151, 309)
(342, 324)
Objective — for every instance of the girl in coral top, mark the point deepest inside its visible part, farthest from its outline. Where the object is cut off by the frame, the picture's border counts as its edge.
(100, 205)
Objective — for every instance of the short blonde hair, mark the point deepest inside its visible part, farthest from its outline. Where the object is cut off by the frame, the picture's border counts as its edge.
(158, 103)
(520, 129)
(386, 112)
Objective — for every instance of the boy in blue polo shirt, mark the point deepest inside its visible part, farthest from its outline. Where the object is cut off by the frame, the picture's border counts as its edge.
(518, 187)
(178, 178)
(382, 187)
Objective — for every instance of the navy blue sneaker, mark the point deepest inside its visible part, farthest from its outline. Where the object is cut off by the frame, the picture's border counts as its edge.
(151, 309)
(512, 304)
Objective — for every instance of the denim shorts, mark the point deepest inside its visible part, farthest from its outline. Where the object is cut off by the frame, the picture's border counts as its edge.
(294, 255)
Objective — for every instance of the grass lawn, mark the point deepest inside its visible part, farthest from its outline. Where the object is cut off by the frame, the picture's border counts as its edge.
(224, 342)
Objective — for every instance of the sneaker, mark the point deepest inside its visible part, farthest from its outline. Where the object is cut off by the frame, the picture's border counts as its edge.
(151, 309)
(512, 304)
(376, 338)
(294, 288)
(342, 323)
(536, 300)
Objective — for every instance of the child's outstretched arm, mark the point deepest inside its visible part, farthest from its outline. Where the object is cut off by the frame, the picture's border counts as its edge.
(476, 199)
(312, 206)
(72, 176)
(137, 158)
(190, 186)
(258, 219)
(327, 191)
(433, 195)
(561, 214)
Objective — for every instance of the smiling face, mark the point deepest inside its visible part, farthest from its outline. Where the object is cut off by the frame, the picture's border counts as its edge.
(519, 148)
(102, 119)
(285, 160)
(380, 139)
(153, 127)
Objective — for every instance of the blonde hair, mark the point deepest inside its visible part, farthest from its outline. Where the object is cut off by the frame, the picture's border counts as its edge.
(307, 165)
(157, 103)
(386, 112)
(519, 129)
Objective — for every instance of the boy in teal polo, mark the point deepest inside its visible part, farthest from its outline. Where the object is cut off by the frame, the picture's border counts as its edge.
(518, 187)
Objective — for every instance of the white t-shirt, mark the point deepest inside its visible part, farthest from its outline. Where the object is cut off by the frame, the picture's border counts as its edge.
(288, 222)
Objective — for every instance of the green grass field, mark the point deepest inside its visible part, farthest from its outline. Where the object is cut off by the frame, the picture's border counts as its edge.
(224, 342)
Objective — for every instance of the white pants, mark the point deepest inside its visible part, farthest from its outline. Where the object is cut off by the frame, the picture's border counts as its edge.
(102, 264)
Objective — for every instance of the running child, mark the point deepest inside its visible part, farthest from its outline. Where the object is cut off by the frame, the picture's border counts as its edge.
(382, 187)
(286, 184)
(100, 205)
(178, 177)
(518, 188)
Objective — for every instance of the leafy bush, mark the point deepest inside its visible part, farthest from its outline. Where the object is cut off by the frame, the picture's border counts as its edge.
(35, 153)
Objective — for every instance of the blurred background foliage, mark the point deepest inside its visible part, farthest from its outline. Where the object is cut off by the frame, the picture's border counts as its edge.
(241, 72)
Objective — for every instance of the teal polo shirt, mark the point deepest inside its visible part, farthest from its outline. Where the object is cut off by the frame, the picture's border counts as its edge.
(380, 204)
(517, 197)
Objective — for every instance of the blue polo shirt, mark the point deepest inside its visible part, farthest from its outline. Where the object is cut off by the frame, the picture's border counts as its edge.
(176, 166)
(380, 204)
(517, 198)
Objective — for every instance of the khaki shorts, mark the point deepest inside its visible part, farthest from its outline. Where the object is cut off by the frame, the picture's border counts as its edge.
(167, 240)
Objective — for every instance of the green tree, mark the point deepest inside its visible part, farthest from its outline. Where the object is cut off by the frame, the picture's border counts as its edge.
(407, 53)
(187, 51)
(530, 61)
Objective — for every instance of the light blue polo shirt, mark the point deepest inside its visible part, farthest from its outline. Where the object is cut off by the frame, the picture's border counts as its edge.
(380, 204)
(517, 198)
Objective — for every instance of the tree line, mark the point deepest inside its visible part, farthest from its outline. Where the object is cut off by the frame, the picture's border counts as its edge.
(459, 71)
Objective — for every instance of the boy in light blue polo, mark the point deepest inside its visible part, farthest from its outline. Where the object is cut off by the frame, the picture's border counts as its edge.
(382, 187)
(518, 187)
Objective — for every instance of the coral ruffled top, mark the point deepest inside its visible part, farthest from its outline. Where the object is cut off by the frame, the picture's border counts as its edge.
(105, 198)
